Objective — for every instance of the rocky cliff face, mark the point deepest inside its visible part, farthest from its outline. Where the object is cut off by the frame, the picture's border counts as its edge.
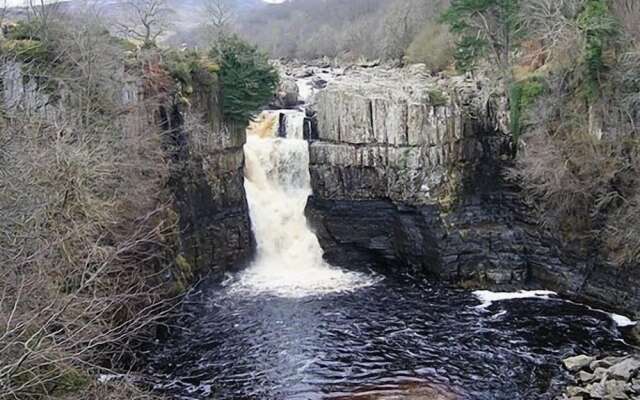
(408, 171)
(207, 181)
(204, 155)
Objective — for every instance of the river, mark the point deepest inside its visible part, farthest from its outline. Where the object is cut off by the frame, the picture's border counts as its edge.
(293, 327)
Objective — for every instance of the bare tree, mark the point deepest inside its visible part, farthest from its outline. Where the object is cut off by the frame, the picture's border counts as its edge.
(553, 23)
(145, 20)
(43, 11)
(84, 214)
(3, 13)
(220, 15)
(628, 12)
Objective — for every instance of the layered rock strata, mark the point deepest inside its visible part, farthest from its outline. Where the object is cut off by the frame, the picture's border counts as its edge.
(207, 181)
(408, 170)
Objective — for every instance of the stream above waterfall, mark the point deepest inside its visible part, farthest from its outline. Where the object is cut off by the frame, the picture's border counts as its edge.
(290, 326)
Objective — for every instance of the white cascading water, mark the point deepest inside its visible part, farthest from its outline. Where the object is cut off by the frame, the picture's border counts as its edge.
(289, 259)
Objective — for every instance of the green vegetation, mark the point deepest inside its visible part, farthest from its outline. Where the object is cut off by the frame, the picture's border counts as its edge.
(248, 80)
(24, 30)
(522, 95)
(71, 380)
(24, 43)
(86, 218)
(89, 234)
(438, 97)
(191, 68)
(570, 71)
(599, 28)
(485, 28)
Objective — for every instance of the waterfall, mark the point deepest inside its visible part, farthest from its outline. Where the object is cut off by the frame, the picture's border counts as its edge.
(289, 259)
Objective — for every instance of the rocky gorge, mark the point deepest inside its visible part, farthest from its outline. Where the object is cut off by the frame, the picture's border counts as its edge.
(204, 154)
(410, 170)
(407, 175)
(407, 182)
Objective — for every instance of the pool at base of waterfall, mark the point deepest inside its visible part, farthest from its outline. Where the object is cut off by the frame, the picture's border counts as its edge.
(291, 327)
(399, 338)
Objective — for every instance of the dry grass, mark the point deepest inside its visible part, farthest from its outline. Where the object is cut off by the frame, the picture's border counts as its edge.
(86, 229)
(585, 188)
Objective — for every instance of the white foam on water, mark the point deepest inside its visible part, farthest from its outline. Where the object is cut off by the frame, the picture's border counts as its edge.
(622, 321)
(289, 260)
(487, 298)
(306, 89)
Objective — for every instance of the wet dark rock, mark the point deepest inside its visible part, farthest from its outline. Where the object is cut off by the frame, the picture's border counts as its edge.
(304, 73)
(319, 83)
(207, 183)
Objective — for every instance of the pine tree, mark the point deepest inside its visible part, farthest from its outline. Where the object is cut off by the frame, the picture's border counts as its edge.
(248, 80)
(484, 27)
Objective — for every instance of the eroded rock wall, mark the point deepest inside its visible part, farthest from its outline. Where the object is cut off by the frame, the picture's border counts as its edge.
(409, 171)
(413, 166)
(207, 181)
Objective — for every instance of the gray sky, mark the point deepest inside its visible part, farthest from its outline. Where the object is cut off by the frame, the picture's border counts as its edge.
(12, 3)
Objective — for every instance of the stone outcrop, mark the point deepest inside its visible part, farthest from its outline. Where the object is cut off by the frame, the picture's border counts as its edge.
(608, 378)
(207, 181)
(287, 94)
(408, 170)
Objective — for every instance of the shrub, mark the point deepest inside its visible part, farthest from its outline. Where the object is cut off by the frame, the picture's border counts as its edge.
(585, 188)
(191, 70)
(25, 50)
(433, 46)
(598, 27)
(522, 95)
(486, 27)
(24, 30)
(86, 230)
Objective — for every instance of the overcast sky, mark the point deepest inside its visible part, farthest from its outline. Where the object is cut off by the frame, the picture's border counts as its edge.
(12, 3)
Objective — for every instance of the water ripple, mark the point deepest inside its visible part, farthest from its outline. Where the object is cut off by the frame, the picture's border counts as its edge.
(397, 339)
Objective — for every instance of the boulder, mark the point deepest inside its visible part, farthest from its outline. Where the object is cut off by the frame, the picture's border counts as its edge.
(305, 73)
(616, 390)
(625, 370)
(576, 391)
(417, 69)
(596, 391)
(368, 63)
(586, 377)
(287, 94)
(604, 363)
(319, 83)
(577, 363)
(600, 373)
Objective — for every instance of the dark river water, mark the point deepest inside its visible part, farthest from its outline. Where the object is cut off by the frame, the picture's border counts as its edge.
(398, 339)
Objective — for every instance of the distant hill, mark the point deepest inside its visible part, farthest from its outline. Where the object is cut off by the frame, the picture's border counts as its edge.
(186, 21)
